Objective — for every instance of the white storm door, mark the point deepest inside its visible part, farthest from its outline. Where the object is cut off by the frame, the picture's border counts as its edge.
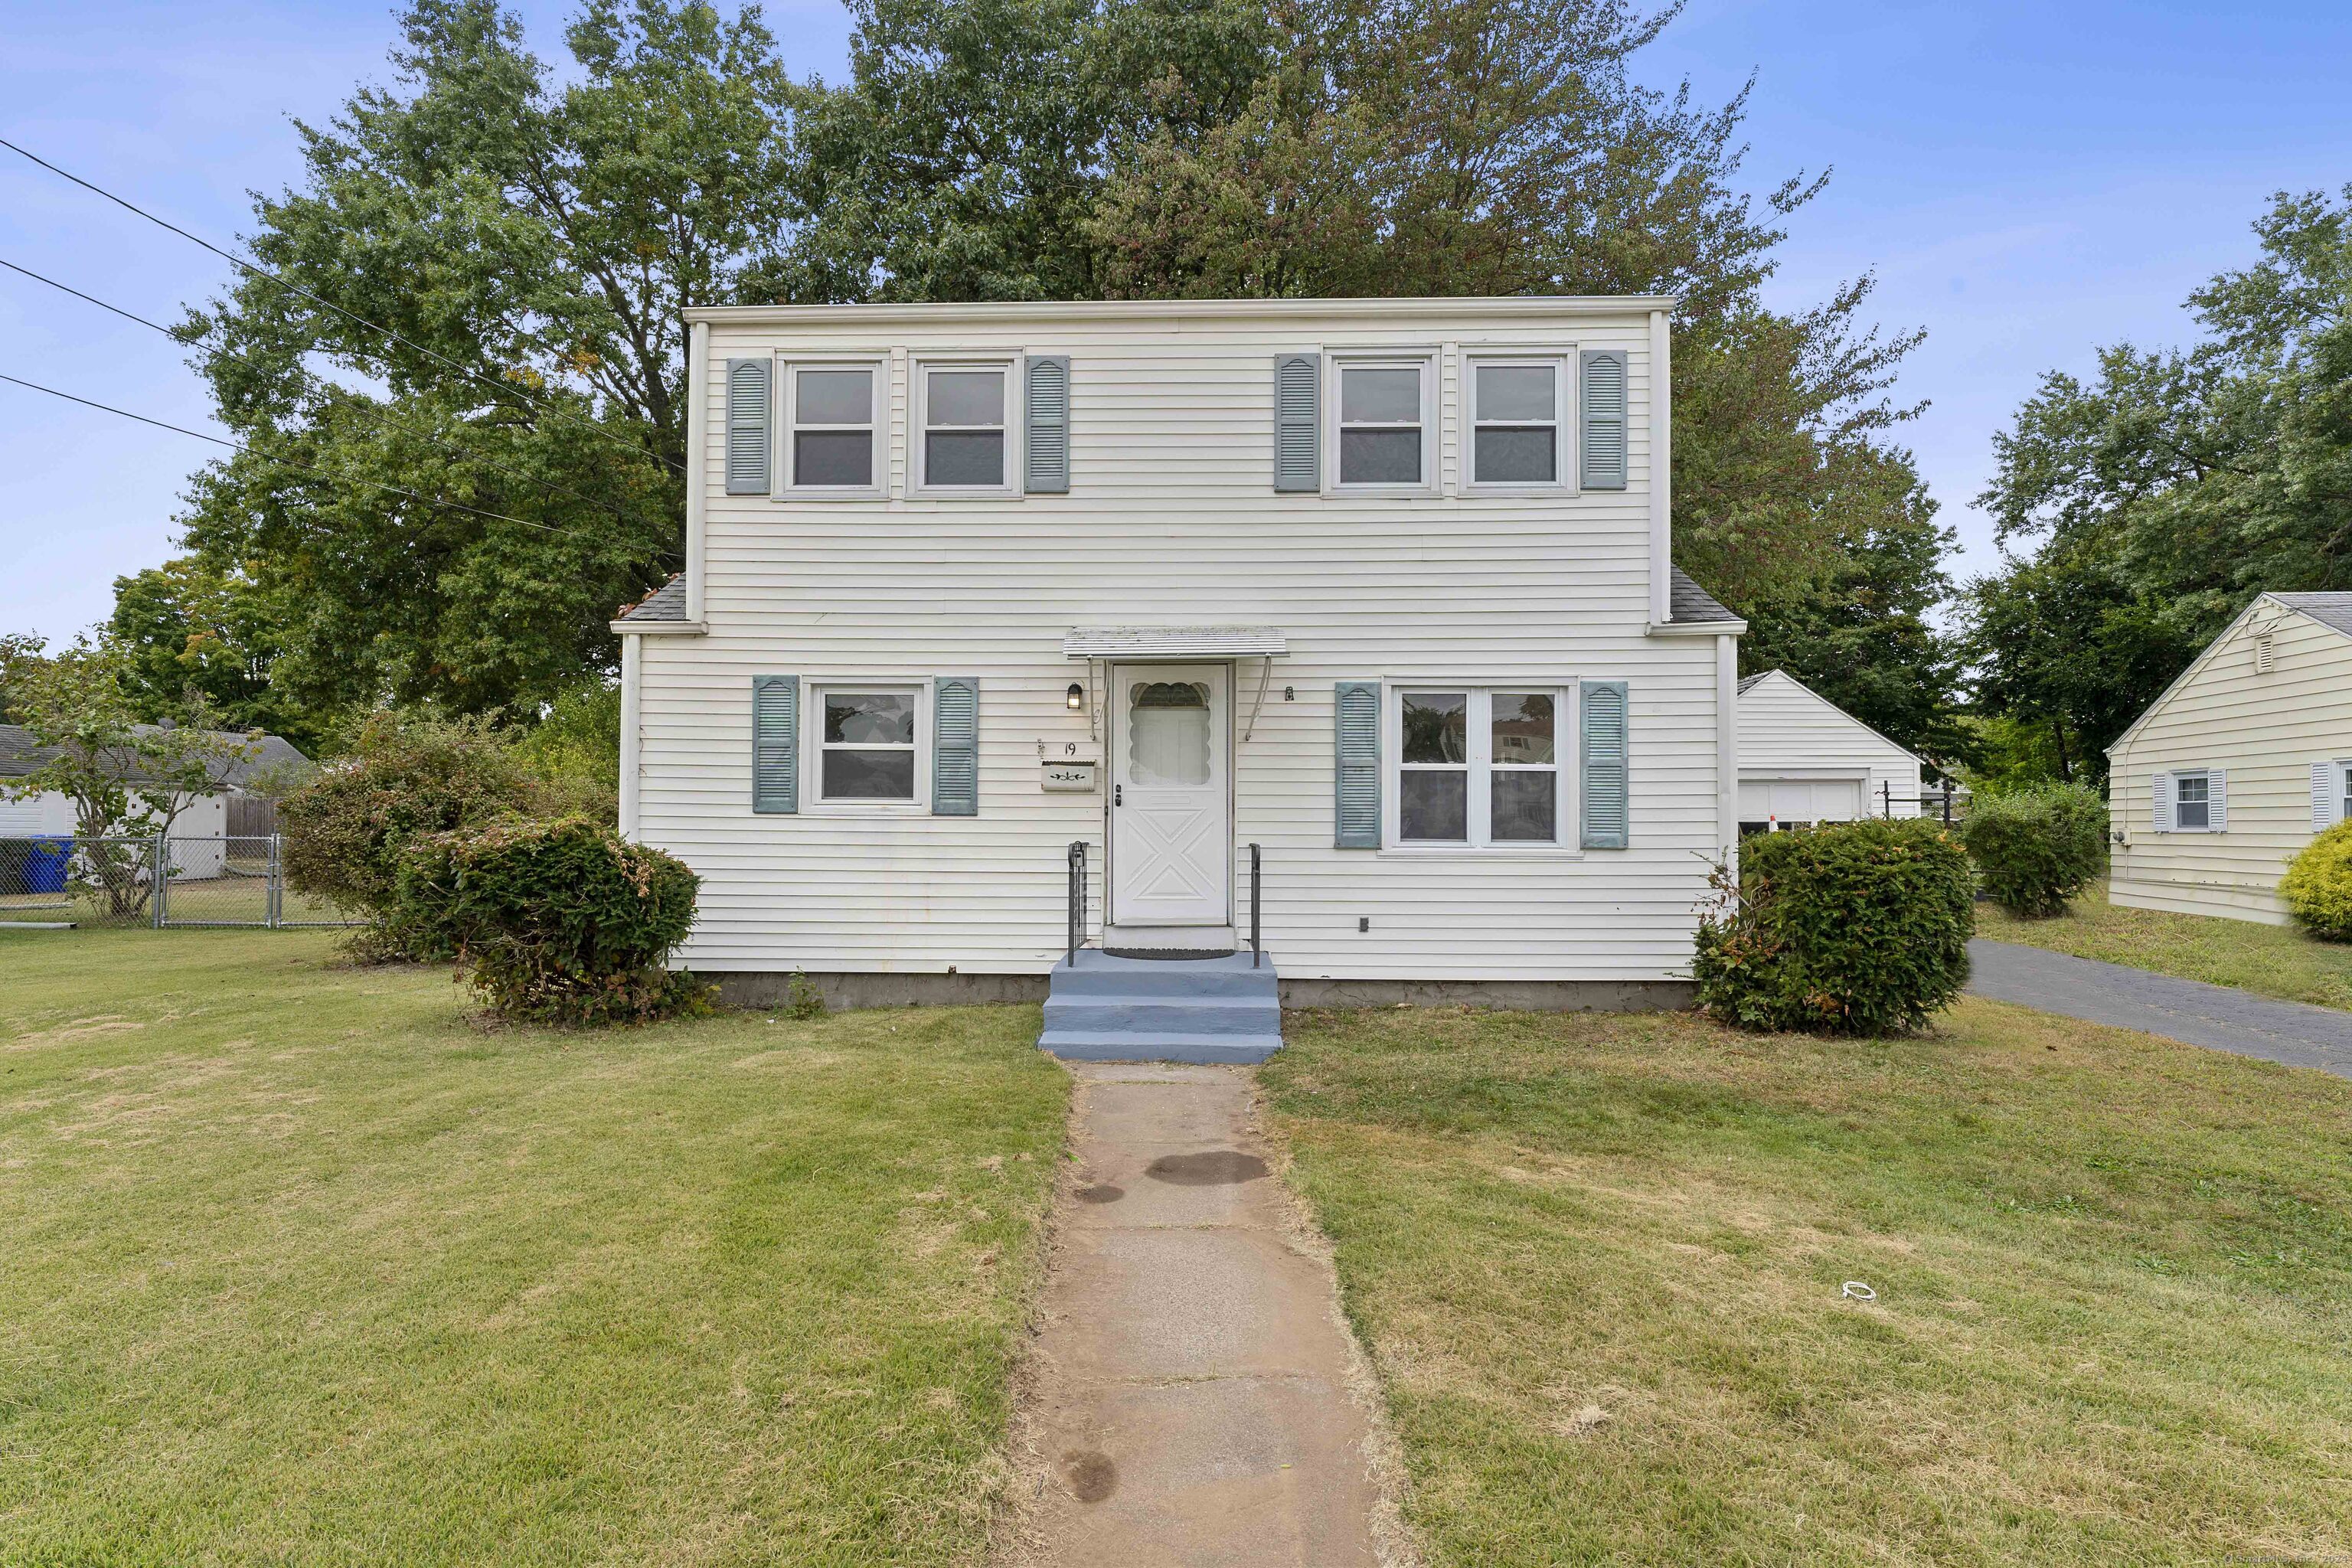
(1171, 840)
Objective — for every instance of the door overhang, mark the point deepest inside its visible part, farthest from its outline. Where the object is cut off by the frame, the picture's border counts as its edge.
(1173, 645)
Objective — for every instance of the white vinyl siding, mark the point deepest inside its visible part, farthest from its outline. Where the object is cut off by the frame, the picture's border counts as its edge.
(1173, 523)
(2263, 732)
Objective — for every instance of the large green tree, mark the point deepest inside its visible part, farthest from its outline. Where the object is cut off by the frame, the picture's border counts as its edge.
(2147, 505)
(488, 261)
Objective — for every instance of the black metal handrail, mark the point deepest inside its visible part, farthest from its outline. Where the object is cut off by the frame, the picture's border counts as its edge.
(1078, 904)
(1257, 944)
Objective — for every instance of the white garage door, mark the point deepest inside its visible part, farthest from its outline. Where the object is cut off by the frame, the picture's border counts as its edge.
(1797, 803)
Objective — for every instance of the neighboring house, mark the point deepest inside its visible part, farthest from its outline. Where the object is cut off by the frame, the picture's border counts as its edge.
(1804, 760)
(208, 817)
(2229, 773)
(1378, 586)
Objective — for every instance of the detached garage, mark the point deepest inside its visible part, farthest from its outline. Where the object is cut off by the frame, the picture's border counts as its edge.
(1804, 760)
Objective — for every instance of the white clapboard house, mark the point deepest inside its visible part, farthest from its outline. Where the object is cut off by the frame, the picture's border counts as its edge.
(1346, 624)
(2239, 764)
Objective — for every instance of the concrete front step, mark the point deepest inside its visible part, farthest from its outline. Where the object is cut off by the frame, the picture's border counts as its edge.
(1106, 1008)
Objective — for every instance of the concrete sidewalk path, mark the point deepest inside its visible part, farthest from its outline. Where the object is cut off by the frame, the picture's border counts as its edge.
(2219, 1017)
(1191, 1398)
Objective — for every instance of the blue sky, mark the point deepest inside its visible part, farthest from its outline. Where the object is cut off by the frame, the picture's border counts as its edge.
(2027, 181)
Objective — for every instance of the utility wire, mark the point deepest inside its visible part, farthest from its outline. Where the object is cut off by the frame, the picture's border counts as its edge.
(378, 409)
(290, 463)
(260, 271)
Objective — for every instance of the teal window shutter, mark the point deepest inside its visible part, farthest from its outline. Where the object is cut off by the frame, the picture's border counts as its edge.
(1602, 728)
(1299, 423)
(1355, 780)
(1047, 449)
(955, 746)
(748, 444)
(776, 743)
(1602, 448)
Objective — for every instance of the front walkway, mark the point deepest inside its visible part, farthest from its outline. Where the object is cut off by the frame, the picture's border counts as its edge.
(2219, 1017)
(1192, 1400)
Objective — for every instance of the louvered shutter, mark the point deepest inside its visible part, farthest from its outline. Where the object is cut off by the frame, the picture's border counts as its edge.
(1603, 734)
(2323, 795)
(955, 746)
(1299, 423)
(1601, 447)
(2160, 794)
(1355, 773)
(748, 444)
(1047, 448)
(2217, 795)
(776, 743)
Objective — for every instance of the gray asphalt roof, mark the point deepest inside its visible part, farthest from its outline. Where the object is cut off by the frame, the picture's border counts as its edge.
(2333, 610)
(1754, 679)
(1687, 602)
(666, 603)
(20, 753)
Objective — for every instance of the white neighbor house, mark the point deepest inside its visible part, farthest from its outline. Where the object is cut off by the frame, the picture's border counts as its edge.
(200, 830)
(1804, 760)
(2246, 756)
(1381, 586)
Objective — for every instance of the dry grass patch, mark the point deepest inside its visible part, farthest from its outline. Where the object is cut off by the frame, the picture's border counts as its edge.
(302, 1267)
(2272, 961)
(1599, 1263)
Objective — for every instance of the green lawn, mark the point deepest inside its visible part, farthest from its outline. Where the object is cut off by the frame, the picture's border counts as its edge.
(2275, 961)
(1597, 1264)
(300, 1267)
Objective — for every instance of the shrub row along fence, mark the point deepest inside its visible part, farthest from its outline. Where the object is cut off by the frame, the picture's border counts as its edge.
(153, 880)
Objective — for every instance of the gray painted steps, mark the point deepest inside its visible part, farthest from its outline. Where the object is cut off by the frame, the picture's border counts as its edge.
(1212, 1010)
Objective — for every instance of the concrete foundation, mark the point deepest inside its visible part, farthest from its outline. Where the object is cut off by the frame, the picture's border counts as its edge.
(843, 993)
(1508, 995)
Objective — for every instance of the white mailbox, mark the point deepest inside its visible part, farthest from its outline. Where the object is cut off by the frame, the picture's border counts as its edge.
(1065, 776)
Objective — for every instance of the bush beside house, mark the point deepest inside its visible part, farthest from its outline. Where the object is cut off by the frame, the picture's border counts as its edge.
(1857, 929)
(2317, 886)
(2037, 847)
(560, 922)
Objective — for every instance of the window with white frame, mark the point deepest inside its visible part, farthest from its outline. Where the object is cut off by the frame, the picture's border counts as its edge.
(1516, 428)
(966, 414)
(831, 421)
(2344, 792)
(1383, 417)
(868, 742)
(2192, 803)
(1479, 767)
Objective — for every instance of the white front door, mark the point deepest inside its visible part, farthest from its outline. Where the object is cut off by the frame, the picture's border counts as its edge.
(1170, 839)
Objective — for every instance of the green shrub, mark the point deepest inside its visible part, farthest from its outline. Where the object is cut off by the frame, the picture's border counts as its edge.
(1858, 929)
(561, 922)
(573, 753)
(2037, 847)
(346, 829)
(2317, 886)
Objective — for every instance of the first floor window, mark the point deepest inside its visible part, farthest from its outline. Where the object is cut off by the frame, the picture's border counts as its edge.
(865, 751)
(1479, 766)
(2191, 803)
(2344, 801)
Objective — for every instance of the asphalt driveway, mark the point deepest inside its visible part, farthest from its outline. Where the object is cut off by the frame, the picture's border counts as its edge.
(2217, 1017)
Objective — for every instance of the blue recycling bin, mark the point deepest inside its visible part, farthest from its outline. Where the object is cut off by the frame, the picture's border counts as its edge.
(46, 860)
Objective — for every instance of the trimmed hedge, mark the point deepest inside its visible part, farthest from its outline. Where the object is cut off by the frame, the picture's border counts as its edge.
(2039, 846)
(561, 922)
(2317, 886)
(1857, 929)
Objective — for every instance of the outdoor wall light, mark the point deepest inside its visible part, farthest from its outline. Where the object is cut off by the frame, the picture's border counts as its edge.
(1076, 698)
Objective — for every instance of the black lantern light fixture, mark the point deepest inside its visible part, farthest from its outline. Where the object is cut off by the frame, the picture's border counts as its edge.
(1076, 698)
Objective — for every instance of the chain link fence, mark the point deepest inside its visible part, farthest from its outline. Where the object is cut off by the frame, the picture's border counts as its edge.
(219, 880)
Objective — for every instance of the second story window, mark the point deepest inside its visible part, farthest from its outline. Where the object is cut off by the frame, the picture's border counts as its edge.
(1514, 409)
(1383, 424)
(830, 444)
(966, 429)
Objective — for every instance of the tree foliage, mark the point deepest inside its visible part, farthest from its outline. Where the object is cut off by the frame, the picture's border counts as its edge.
(2159, 497)
(2035, 849)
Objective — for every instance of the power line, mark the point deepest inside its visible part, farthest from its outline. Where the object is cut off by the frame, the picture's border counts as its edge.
(260, 271)
(377, 409)
(290, 463)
